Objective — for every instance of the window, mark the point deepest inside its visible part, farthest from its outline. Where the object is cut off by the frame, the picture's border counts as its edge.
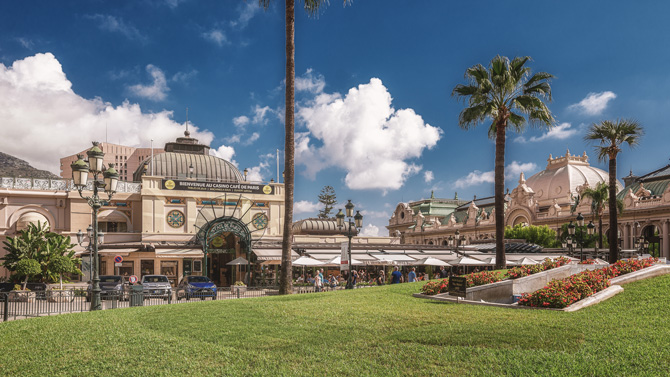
(147, 267)
(126, 268)
(113, 227)
(169, 268)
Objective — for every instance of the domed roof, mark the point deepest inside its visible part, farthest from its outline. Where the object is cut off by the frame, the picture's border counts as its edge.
(562, 176)
(177, 165)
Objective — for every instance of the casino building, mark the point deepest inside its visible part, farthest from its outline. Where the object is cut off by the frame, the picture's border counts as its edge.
(550, 197)
(183, 204)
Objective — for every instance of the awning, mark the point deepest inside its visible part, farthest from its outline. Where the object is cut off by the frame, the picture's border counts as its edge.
(179, 253)
(393, 257)
(272, 254)
(121, 252)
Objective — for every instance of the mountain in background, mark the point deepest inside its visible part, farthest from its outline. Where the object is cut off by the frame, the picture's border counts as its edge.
(11, 166)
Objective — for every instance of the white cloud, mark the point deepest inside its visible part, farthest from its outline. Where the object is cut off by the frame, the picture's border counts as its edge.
(512, 171)
(41, 112)
(260, 114)
(254, 136)
(363, 134)
(217, 36)
(257, 173)
(370, 231)
(174, 3)
(117, 25)
(184, 76)
(247, 11)
(26, 43)
(428, 176)
(594, 103)
(310, 83)
(241, 121)
(560, 132)
(225, 152)
(304, 206)
(157, 91)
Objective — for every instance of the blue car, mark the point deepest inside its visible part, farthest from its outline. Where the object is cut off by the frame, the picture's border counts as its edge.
(196, 287)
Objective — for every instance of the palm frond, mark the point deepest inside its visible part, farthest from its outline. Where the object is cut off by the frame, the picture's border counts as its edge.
(610, 135)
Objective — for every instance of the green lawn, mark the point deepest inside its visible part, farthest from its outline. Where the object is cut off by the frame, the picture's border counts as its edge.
(365, 332)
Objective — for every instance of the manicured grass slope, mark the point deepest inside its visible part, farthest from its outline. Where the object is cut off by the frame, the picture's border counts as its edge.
(373, 331)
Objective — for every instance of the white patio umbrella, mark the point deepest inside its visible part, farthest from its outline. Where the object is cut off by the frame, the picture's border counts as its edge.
(307, 261)
(337, 261)
(238, 262)
(490, 261)
(522, 261)
(430, 261)
(467, 261)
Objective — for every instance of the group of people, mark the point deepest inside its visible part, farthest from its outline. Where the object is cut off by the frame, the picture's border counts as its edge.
(319, 280)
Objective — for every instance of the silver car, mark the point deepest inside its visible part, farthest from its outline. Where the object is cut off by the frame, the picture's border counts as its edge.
(156, 286)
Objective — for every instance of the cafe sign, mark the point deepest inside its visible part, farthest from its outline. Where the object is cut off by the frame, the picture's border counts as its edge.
(243, 188)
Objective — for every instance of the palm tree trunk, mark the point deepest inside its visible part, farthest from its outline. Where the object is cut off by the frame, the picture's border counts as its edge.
(500, 194)
(285, 282)
(613, 236)
(600, 231)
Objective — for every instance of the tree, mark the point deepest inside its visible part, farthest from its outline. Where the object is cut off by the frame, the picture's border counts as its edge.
(599, 198)
(504, 93)
(312, 7)
(37, 243)
(539, 235)
(27, 268)
(328, 198)
(611, 135)
(62, 265)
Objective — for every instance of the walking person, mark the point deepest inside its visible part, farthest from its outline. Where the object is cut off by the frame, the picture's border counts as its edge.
(318, 283)
(381, 279)
(443, 273)
(396, 276)
(411, 277)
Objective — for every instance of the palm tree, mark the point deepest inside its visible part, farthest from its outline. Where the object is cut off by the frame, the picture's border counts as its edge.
(611, 135)
(504, 93)
(312, 7)
(598, 196)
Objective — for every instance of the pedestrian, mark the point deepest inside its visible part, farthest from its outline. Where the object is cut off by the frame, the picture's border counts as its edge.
(396, 276)
(443, 273)
(354, 277)
(381, 279)
(318, 283)
(411, 277)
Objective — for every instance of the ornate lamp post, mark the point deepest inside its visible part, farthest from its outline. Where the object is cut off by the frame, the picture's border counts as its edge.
(590, 230)
(80, 170)
(80, 241)
(358, 224)
(571, 232)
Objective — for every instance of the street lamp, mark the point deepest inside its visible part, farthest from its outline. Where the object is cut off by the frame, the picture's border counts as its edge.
(590, 230)
(358, 224)
(81, 240)
(80, 170)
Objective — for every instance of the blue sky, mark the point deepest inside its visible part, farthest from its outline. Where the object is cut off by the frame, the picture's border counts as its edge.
(375, 118)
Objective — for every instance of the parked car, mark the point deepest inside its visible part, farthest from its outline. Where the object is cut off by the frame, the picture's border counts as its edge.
(196, 286)
(156, 286)
(113, 287)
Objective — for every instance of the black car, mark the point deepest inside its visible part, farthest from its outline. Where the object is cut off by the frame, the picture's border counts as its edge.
(113, 287)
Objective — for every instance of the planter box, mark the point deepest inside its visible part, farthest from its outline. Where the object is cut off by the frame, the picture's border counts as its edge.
(21, 296)
(60, 296)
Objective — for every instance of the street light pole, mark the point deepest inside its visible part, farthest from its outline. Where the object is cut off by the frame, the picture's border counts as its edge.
(80, 170)
(358, 223)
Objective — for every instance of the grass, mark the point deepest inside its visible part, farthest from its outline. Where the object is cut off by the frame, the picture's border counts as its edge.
(365, 332)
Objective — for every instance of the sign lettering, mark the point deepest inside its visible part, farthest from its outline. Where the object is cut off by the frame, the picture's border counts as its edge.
(243, 188)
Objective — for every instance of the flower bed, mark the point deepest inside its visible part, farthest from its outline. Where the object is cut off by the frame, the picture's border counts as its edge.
(547, 264)
(564, 292)
(487, 277)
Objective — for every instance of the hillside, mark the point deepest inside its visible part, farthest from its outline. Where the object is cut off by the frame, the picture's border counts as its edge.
(11, 166)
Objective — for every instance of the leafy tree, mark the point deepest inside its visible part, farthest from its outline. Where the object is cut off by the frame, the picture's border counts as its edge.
(328, 198)
(26, 268)
(539, 235)
(37, 243)
(504, 93)
(611, 135)
(312, 7)
(62, 265)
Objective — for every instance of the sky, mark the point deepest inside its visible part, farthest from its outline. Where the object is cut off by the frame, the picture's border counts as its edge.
(375, 118)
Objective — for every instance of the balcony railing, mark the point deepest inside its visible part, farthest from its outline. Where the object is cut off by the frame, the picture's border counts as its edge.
(59, 185)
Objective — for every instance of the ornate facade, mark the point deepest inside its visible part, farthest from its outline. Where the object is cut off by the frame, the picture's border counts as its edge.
(550, 197)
